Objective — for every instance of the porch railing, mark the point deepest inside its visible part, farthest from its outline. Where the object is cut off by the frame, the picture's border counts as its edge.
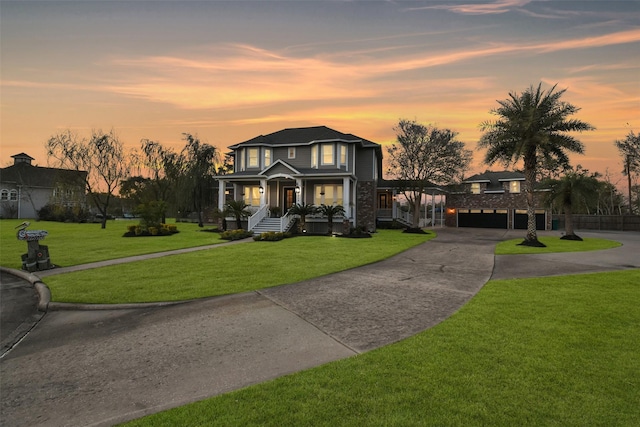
(257, 217)
(285, 220)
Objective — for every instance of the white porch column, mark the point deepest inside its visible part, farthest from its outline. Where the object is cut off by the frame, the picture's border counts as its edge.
(346, 196)
(222, 186)
(263, 194)
(299, 196)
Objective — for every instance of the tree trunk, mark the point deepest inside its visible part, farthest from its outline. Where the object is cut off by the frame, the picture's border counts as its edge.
(628, 166)
(531, 238)
(329, 225)
(415, 220)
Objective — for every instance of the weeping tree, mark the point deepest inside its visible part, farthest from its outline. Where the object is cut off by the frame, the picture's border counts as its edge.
(101, 156)
(532, 125)
(629, 149)
(574, 190)
(422, 156)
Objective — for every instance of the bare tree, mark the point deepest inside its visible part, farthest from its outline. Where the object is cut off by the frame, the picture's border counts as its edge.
(424, 156)
(102, 157)
(629, 149)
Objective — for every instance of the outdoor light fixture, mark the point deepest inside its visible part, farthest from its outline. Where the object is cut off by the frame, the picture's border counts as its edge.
(261, 190)
(297, 189)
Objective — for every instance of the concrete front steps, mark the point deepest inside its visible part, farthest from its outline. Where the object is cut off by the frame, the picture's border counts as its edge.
(268, 224)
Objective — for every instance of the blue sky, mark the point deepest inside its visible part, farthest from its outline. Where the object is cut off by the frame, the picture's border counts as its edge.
(228, 71)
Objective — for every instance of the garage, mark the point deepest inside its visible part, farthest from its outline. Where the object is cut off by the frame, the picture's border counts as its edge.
(483, 218)
(520, 219)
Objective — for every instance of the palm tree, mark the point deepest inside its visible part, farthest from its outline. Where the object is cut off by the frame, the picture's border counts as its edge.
(531, 125)
(238, 209)
(572, 189)
(302, 210)
(330, 211)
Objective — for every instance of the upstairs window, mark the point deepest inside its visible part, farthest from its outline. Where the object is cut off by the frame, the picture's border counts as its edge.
(252, 155)
(13, 195)
(343, 154)
(314, 156)
(4, 195)
(514, 187)
(291, 153)
(267, 157)
(475, 188)
(327, 154)
(241, 153)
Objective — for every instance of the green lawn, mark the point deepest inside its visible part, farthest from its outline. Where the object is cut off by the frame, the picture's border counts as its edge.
(73, 244)
(560, 351)
(227, 270)
(554, 244)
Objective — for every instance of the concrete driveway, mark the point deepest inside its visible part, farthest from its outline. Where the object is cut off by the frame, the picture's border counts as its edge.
(103, 367)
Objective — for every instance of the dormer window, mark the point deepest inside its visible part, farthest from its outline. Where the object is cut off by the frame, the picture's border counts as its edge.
(514, 186)
(475, 188)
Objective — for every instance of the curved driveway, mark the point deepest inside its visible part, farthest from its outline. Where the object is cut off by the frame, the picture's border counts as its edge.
(102, 367)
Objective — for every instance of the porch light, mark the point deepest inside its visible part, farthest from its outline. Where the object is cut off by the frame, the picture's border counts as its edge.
(261, 189)
(297, 189)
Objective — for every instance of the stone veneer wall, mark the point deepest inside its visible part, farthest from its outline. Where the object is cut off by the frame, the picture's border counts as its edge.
(504, 200)
(365, 204)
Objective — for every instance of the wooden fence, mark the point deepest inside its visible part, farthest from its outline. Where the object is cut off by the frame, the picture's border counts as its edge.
(601, 222)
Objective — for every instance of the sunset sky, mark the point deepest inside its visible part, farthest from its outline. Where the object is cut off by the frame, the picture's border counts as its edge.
(229, 71)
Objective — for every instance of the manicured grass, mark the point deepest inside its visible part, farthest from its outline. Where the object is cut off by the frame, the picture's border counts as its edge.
(73, 244)
(554, 244)
(227, 270)
(547, 351)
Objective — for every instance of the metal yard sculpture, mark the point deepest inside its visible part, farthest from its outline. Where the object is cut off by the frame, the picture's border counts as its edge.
(37, 256)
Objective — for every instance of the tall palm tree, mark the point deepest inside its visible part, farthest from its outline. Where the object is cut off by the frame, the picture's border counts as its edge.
(330, 211)
(569, 191)
(237, 209)
(531, 125)
(302, 210)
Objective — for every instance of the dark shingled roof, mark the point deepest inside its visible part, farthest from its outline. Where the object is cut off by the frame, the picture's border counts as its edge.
(36, 176)
(303, 136)
(495, 177)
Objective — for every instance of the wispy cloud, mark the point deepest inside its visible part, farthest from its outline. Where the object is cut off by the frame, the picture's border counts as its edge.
(496, 7)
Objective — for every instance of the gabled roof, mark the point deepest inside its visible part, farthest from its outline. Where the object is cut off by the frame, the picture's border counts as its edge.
(304, 136)
(278, 162)
(36, 176)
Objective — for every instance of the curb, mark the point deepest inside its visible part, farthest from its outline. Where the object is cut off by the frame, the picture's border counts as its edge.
(45, 304)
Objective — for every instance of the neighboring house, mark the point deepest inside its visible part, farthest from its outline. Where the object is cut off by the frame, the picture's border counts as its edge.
(25, 189)
(312, 165)
(494, 200)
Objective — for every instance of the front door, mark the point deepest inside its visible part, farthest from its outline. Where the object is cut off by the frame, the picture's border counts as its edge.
(289, 199)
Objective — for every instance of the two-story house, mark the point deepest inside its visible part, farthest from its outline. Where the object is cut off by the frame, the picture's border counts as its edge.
(494, 200)
(26, 188)
(311, 165)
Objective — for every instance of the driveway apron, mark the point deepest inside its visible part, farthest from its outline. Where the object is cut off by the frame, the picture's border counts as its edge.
(103, 367)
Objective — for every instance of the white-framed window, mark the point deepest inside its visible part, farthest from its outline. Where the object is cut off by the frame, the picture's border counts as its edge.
(267, 157)
(4, 195)
(13, 195)
(514, 186)
(291, 153)
(241, 153)
(327, 194)
(475, 188)
(326, 154)
(343, 154)
(251, 195)
(314, 156)
(252, 157)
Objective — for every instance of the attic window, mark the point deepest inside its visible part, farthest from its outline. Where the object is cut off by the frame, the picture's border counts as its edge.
(475, 188)
(514, 187)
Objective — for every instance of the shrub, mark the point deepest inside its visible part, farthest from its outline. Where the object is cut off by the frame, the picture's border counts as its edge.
(161, 230)
(271, 236)
(235, 234)
(59, 213)
(358, 232)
